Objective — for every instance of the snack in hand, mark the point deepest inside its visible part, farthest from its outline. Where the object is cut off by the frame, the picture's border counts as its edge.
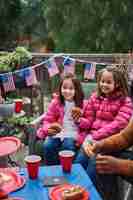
(76, 113)
(74, 193)
(56, 126)
(54, 129)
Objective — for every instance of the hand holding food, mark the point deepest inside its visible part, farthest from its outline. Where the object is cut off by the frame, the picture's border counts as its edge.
(91, 148)
(76, 113)
(54, 129)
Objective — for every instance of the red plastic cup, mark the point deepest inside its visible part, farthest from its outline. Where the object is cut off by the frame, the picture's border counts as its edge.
(18, 105)
(66, 158)
(33, 163)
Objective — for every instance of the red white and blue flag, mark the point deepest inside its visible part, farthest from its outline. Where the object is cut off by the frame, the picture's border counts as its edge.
(30, 76)
(89, 71)
(69, 65)
(52, 67)
(7, 82)
(130, 72)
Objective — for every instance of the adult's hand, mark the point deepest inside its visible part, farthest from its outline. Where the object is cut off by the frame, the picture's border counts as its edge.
(108, 164)
(76, 113)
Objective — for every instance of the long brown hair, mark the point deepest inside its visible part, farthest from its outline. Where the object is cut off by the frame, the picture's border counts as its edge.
(79, 95)
(120, 79)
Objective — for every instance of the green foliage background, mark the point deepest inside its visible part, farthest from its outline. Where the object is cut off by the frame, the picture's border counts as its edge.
(90, 25)
(80, 26)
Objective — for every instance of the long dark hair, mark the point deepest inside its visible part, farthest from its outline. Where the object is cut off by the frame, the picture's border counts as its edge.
(79, 94)
(120, 79)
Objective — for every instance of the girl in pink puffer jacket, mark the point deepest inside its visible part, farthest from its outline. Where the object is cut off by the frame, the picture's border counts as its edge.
(107, 112)
(60, 128)
(109, 109)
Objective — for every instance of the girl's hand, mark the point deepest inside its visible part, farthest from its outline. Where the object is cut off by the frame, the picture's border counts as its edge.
(108, 164)
(92, 148)
(51, 132)
(54, 128)
(76, 113)
(88, 148)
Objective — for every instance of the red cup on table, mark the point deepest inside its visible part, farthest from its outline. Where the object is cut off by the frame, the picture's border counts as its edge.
(33, 164)
(18, 105)
(66, 158)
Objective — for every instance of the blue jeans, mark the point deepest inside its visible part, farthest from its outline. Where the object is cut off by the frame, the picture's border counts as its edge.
(90, 167)
(88, 163)
(52, 146)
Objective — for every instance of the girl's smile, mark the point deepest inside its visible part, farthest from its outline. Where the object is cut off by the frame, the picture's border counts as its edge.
(107, 84)
(68, 90)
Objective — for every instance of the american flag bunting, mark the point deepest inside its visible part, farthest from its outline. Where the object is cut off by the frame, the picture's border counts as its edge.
(8, 82)
(52, 67)
(130, 72)
(69, 65)
(89, 72)
(30, 76)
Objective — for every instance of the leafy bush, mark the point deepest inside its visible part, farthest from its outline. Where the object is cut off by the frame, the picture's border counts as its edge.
(9, 61)
(20, 121)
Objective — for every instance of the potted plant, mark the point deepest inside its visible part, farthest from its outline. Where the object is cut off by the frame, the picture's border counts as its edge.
(12, 60)
(20, 125)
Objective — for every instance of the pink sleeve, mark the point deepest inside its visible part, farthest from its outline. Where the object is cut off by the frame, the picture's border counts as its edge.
(120, 121)
(88, 114)
(50, 117)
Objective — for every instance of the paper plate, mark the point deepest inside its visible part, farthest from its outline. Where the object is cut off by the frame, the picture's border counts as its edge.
(9, 145)
(11, 181)
(56, 192)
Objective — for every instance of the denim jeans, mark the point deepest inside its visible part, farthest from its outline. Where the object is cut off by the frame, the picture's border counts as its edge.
(90, 167)
(52, 146)
(88, 163)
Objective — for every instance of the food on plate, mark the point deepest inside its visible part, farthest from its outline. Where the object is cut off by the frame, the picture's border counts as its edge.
(73, 193)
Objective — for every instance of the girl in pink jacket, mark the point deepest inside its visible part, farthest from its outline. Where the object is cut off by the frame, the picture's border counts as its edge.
(108, 109)
(107, 112)
(60, 128)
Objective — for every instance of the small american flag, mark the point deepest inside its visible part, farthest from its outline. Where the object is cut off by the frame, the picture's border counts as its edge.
(30, 76)
(130, 72)
(89, 72)
(52, 67)
(8, 82)
(69, 65)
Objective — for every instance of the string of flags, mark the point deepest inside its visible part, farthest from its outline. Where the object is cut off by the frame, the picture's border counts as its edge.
(9, 81)
(69, 65)
(89, 71)
(52, 67)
